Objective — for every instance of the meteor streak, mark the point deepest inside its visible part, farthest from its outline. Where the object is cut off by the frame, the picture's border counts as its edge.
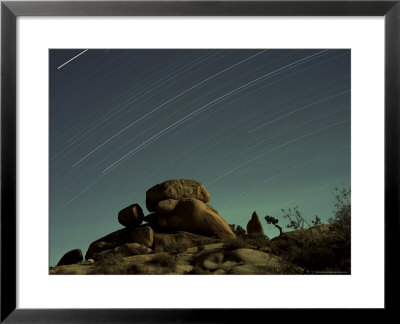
(72, 59)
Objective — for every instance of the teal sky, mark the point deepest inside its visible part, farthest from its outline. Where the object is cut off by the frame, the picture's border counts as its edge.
(261, 129)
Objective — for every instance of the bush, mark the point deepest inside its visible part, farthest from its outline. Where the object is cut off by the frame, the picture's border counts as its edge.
(238, 230)
(163, 260)
(176, 247)
(258, 240)
(109, 264)
(317, 221)
(296, 219)
(342, 212)
(236, 243)
(283, 267)
(207, 241)
(316, 257)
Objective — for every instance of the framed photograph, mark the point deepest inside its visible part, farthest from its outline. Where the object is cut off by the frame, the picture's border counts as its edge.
(232, 147)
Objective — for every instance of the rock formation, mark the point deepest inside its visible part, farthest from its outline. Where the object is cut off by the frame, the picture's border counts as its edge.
(177, 240)
(192, 215)
(131, 216)
(109, 242)
(175, 189)
(129, 249)
(143, 236)
(71, 257)
(180, 219)
(254, 225)
(185, 235)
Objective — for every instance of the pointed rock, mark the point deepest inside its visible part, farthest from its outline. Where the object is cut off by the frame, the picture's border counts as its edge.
(254, 225)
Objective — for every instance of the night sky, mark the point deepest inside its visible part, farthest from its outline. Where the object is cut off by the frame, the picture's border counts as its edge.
(261, 129)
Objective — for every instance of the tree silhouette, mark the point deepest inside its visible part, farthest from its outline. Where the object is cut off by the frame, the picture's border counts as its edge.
(274, 221)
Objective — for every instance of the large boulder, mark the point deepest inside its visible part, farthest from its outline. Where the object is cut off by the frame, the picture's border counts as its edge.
(195, 216)
(254, 225)
(108, 242)
(97, 247)
(166, 206)
(131, 216)
(175, 189)
(71, 257)
(143, 236)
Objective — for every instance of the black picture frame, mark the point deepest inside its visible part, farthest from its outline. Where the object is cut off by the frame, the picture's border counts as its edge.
(10, 10)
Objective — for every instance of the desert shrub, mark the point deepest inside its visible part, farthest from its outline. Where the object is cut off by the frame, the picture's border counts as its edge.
(207, 241)
(163, 260)
(296, 219)
(258, 240)
(176, 247)
(316, 221)
(314, 257)
(238, 230)
(109, 264)
(283, 267)
(342, 212)
(236, 243)
(323, 258)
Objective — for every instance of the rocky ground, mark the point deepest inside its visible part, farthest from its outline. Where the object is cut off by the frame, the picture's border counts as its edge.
(185, 235)
(315, 250)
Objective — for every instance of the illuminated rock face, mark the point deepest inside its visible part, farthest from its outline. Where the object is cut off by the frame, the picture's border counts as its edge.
(191, 215)
(176, 189)
(180, 204)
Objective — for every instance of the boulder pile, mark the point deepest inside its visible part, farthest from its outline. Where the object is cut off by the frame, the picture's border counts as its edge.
(183, 234)
(179, 217)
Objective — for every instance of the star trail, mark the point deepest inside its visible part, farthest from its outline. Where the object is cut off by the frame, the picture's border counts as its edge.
(262, 129)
